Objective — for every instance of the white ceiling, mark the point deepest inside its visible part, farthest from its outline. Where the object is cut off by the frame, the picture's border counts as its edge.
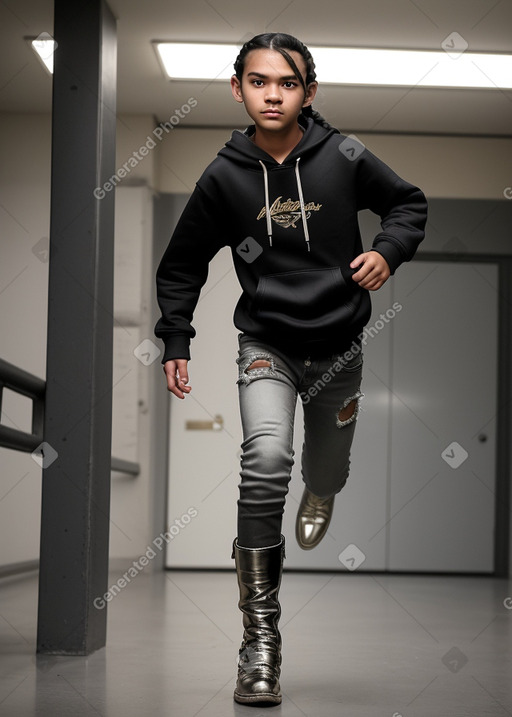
(486, 25)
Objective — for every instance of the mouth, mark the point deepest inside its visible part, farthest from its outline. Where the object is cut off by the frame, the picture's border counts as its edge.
(274, 112)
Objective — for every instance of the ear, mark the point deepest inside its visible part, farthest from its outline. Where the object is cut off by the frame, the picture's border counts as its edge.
(310, 94)
(236, 89)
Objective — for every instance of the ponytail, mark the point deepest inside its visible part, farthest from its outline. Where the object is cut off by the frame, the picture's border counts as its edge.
(317, 117)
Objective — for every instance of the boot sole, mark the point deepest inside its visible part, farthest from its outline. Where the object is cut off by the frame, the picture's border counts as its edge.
(252, 699)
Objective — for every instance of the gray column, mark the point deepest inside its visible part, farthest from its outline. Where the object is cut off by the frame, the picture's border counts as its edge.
(502, 534)
(78, 408)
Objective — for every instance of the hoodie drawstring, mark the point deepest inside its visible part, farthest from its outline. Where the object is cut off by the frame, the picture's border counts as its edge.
(267, 207)
(301, 200)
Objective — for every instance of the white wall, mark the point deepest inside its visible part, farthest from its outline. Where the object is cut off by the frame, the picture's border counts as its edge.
(24, 229)
(444, 167)
(131, 500)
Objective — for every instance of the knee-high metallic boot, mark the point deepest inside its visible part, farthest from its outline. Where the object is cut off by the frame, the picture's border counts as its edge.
(259, 573)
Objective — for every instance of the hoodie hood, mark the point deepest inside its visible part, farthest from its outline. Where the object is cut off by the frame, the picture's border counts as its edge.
(242, 150)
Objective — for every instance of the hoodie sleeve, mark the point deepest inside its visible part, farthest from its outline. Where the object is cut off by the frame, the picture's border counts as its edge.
(183, 271)
(402, 208)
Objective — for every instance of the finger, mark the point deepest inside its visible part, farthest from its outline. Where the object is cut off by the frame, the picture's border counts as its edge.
(170, 374)
(363, 274)
(182, 375)
(182, 370)
(373, 283)
(176, 391)
(358, 261)
(174, 388)
(169, 368)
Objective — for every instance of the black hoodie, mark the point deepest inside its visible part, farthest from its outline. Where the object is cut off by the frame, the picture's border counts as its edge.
(293, 231)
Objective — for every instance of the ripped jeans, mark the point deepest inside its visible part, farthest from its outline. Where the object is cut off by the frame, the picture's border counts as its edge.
(330, 392)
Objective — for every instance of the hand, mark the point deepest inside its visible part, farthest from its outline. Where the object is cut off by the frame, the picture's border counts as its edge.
(177, 377)
(373, 272)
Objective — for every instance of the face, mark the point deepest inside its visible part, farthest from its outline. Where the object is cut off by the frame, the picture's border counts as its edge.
(272, 94)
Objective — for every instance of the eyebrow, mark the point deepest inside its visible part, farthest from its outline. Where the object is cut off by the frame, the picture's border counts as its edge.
(265, 77)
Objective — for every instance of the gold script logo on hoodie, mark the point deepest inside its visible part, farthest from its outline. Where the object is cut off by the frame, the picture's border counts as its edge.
(288, 213)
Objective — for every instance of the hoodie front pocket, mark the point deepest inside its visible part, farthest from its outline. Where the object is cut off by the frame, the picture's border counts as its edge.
(309, 298)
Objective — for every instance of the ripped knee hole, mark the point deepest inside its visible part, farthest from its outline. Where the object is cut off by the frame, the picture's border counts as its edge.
(348, 412)
(259, 363)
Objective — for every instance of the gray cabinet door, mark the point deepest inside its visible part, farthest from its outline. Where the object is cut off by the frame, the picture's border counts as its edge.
(442, 428)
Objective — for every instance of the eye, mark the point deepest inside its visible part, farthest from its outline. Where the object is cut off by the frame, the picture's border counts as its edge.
(257, 83)
(290, 84)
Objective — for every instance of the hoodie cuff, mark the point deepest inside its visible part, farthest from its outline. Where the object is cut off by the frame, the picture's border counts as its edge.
(391, 254)
(177, 346)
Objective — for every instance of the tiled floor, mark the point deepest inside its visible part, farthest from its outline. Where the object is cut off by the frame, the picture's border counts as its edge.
(359, 645)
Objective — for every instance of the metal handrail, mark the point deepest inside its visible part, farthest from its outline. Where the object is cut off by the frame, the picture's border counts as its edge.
(25, 383)
(119, 465)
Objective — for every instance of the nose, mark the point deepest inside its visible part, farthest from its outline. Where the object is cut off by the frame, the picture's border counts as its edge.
(273, 94)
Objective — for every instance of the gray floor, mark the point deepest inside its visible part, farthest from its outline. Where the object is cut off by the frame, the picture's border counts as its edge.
(353, 644)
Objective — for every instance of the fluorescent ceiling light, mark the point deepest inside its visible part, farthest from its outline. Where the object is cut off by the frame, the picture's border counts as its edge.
(197, 61)
(44, 45)
(453, 67)
(412, 68)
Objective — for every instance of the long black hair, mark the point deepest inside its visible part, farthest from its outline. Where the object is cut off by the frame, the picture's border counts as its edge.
(283, 43)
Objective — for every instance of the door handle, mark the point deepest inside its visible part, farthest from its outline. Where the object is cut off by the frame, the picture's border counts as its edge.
(216, 425)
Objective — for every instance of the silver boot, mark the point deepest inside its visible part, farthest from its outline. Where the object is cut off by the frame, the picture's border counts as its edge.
(313, 519)
(259, 573)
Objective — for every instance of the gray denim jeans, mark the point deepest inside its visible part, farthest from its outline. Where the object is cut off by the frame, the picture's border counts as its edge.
(330, 392)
